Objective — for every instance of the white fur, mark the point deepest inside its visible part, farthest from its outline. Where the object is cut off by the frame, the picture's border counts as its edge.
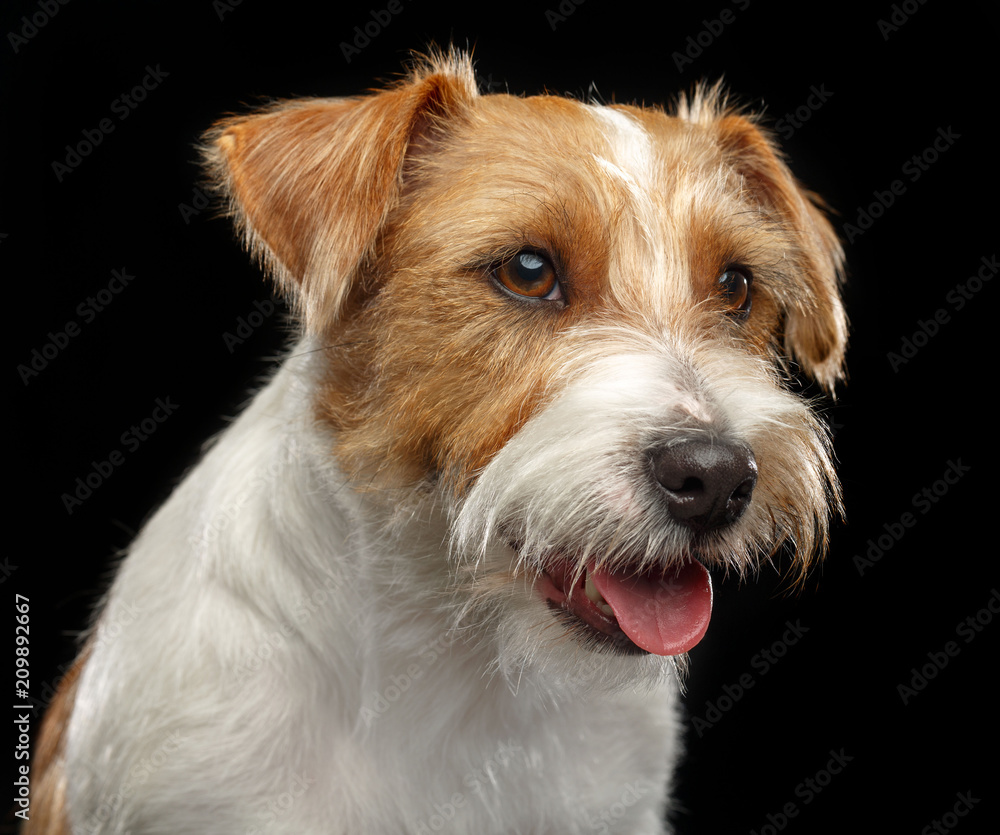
(282, 654)
(285, 651)
(575, 480)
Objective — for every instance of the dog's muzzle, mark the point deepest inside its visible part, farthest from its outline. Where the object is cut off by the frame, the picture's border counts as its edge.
(707, 485)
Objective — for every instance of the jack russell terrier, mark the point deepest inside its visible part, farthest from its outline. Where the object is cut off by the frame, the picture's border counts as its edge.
(443, 573)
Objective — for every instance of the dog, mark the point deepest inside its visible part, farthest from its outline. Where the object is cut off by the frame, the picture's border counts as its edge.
(444, 571)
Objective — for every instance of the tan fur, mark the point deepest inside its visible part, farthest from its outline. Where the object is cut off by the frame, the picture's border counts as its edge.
(309, 206)
(816, 332)
(406, 214)
(48, 801)
(384, 217)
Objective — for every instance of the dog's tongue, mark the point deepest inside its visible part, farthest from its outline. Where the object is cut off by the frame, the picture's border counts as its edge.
(664, 615)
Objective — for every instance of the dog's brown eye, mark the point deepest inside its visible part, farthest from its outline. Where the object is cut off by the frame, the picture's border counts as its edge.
(530, 275)
(735, 289)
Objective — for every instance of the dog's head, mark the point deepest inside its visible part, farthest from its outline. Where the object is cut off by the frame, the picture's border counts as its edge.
(573, 324)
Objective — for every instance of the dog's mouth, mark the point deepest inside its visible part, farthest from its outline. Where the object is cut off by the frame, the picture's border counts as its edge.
(656, 611)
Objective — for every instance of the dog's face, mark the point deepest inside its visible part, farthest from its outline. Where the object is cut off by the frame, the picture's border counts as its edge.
(570, 324)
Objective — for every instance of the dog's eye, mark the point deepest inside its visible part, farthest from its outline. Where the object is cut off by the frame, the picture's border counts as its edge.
(529, 275)
(735, 289)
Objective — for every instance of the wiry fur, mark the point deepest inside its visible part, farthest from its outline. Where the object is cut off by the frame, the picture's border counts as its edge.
(333, 625)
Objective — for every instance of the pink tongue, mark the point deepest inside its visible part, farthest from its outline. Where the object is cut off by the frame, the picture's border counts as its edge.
(664, 615)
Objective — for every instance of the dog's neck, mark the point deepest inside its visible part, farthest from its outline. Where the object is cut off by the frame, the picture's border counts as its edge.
(369, 565)
(355, 601)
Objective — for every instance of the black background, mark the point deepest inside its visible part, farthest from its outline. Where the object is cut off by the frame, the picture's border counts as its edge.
(889, 93)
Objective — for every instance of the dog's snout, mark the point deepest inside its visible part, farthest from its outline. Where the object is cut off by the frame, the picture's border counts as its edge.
(708, 484)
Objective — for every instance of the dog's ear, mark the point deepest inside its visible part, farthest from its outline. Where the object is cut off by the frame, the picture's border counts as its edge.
(310, 182)
(816, 324)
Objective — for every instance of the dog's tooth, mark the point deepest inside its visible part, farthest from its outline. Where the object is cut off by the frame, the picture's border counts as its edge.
(595, 596)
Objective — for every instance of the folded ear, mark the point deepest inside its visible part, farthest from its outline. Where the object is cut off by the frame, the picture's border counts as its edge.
(816, 324)
(310, 182)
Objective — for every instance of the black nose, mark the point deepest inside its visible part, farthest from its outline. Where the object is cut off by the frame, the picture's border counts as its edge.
(708, 484)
